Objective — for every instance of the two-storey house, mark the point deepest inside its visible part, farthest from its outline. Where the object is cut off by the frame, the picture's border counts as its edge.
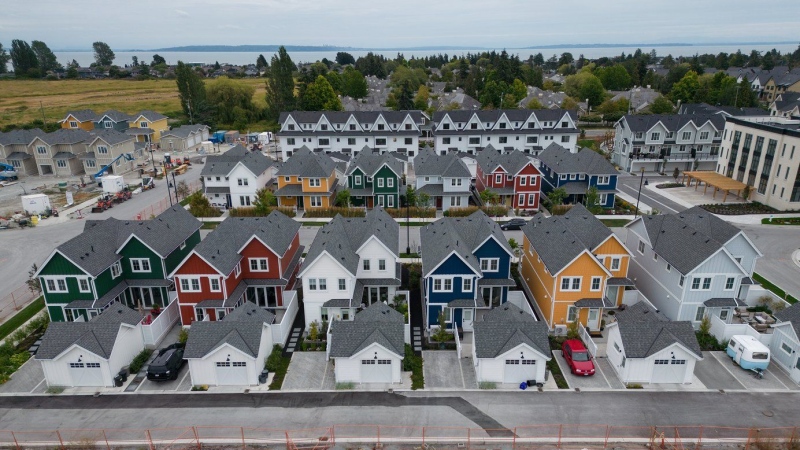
(57, 153)
(245, 259)
(662, 142)
(691, 263)
(83, 119)
(512, 176)
(307, 180)
(112, 120)
(577, 172)
(529, 131)
(147, 126)
(105, 147)
(233, 178)
(466, 268)
(183, 138)
(15, 150)
(574, 267)
(117, 260)
(350, 131)
(374, 179)
(444, 178)
(353, 262)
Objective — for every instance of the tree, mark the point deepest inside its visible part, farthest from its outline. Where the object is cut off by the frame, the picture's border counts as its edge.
(192, 93)
(344, 58)
(182, 190)
(45, 56)
(411, 196)
(441, 335)
(4, 58)
(614, 78)
(335, 80)
(584, 86)
(686, 89)
(158, 59)
(33, 283)
(538, 59)
(199, 206)
(519, 90)
(353, 83)
(746, 191)
(261, 62)
(103, 55)
(421, 99)
(489, 197)
(557, 196)
(319, 96)
(569, 103)
(423, 199)
(264, 202)
(232, 101)
(280, 86)
(342, 199)
(23, 58)
(676, 173)
(534, 104)
(404, 97)
(72, 69)
(661, 105)
(591, 199)
(566, 58)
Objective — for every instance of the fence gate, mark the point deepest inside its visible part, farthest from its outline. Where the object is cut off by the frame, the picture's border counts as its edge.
(587, 340)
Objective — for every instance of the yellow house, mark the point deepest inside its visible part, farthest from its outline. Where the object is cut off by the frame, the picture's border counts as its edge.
(307, 180)
(574, 267)
(83, 119)
(147, 126)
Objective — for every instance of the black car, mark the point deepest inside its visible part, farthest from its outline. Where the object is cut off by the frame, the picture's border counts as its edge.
(166, 364)
(513, 224)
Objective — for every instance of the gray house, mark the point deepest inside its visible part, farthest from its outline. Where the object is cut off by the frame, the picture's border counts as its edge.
(691, 264)
(14, 150)
(113, 120)
(57, 153)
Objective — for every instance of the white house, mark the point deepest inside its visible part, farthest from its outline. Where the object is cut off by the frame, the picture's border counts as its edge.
(370, 348)
(233, 178)
(352, 261)
(231, 351)
(444, 178)
(785, 344)
(645, 347)
(510, 346)
(91, 353)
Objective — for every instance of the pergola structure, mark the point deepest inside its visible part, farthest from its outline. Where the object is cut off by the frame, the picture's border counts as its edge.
(719, 182)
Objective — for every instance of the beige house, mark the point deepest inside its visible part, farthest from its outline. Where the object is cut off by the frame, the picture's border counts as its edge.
(104, 149)
(58, 153)
(183, 138)
(14, 150)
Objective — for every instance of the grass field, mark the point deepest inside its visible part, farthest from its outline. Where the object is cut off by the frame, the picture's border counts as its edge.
(22, 101)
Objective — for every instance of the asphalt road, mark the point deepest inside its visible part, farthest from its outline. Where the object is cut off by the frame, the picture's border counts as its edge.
(629, 184)
(777, 243)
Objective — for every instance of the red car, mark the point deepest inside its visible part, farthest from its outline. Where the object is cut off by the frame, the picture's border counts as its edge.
(578, 358)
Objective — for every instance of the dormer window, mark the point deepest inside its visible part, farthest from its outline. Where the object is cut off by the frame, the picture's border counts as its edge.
(502, 126)
(352, 127)
(474, 126)
(380, 127)
(291, 127)
(323, 127)
(445, 126)
(108, 124)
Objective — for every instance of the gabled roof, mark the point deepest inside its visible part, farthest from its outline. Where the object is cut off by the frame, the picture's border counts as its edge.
(513, 115)
(221, 247)
(82, 115)
(506, 327)
(95, 249)
(370, 163)
(110, 136)
(97, 336)
(560, 239)
(792, 315)
(428, 163)
(66, 136)
(644, 332)
(377, 324)
(342, 237)
(363, 117)
(305, 163)
(672, 122)
(152, 116)
(21, 137)
(116, 116)
(512, 162)
(241, 329)
(183, 131)
(460, 235)
(223, 164)
(587, 161)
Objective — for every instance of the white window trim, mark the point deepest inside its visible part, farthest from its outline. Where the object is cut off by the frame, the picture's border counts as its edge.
(442, 288)
(498, 178)
(571, 283)
(599, 285)
(142, 262)
(186, 284)
(55, 281)
(116, 267)
(466, 285)
(258, 264)
(211, 284)
(88, 284)
(618, 261)
(732, 285)
(366, 265)
(357, 179)
(390, 182)
(489, 262)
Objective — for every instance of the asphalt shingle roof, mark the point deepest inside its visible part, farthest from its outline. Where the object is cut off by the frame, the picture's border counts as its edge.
(672, 122)
(305, 163)
(97, 336)
(341, 117)
(428, 163)
(645, 332)
(183, 131)
(505, 328)
(82, 115)
(152, 116)
(377, 324)
(791, 314)
(241, 329)
(370, 162)
(512, 162)
(66, 136)
(114, 115)
(520, 116)
(222, 164)
(22, 137)
(110, 136)
(587, 161)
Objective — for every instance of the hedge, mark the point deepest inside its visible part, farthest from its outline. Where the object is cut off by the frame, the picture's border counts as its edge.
(332, 212)
(252, 212)
(493, 211)
(414, 211)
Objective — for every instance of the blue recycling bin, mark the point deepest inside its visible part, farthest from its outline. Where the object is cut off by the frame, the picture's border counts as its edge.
(523, 385)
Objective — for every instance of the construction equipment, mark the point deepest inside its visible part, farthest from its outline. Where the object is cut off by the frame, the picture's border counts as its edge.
(148, 183)
(103, 203)
(7, 172)
(126, 156)
(186, 161)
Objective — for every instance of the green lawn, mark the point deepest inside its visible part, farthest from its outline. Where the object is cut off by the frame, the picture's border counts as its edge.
(21, 317)
(615, 223)
(781, 221)
(774, 289)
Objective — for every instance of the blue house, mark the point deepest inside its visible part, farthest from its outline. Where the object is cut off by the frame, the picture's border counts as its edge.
(466, 268)
(576, 173)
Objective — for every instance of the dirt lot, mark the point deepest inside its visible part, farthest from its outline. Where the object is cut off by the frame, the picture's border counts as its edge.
(10, 196)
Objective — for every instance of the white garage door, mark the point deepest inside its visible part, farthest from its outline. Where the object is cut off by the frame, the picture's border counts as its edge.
(376, 370)
(519, 370)
(232, 373)
(86, 374)
(669, 371)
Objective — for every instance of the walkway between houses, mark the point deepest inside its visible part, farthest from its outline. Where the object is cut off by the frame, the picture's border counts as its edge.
(415, 312)
(298, 326)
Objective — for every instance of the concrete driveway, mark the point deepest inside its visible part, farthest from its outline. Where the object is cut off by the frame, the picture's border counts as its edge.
(28, 379)
(718, 371)
(596, 381)
(181, 384)
(443, 370)
(309, 371)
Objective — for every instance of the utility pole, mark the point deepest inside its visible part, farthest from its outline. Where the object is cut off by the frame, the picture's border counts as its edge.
(736, 97)
(44, 121)
(641, 180)
(175, 186)
(166, 178)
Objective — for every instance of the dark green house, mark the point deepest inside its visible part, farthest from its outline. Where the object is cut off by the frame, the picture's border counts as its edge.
(373, 179)
(117, 260)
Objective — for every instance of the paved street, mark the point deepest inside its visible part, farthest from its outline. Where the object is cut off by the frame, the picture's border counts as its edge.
(777, 243)
(629, 184)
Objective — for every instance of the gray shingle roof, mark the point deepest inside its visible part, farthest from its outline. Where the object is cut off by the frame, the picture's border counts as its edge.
(241, 329)
(221, 247)
(221, 165)
(152, 116)
(22, 137)
(341, 117)
(341, 237)
(512, 162)
(377, 324)
(448, 165)
(97, 336)
(109, 136)
(462, 235)
(305, 163)
(791, 314)
(114, 115)
(672, 122)
(720, 302)
(560, 239)
(83, 115)
(587, 161)
(506, 327)
(183, 131)
(520, 116)
(370, 162)
(66, 136)
(644, 332)
(94, 250)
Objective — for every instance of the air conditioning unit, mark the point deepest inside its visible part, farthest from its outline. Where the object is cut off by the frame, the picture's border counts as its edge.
(560, 330)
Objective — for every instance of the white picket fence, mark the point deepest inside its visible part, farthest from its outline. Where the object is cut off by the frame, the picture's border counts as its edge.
(281, 330)
(587, 340)
(155, 331)
(458, 341)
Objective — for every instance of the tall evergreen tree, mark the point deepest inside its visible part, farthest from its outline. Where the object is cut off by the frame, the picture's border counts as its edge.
(23, 58)
(261, 62)
(280, 86)
(192, 93)
(353, 83)
(4, 58)
(45, 56)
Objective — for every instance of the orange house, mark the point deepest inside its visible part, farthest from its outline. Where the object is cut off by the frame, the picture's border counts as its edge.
(307, 180)
(574, 267)
(83, 119)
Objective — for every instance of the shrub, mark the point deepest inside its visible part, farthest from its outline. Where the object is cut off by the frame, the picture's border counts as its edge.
(560, 210)
(460, 212)
(413, 363)
(633, 386)
(331, 212)
(183, 335)
(414, 211)
(255, 212)
(139, 360)
(202, 387)
(487, 385)
(277, 364)
(495, 210)
(55, 390)
(199, 206)
(348, 386)
(573, 329)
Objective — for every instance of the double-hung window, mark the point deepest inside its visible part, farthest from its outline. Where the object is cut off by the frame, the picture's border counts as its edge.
(490, 264)
(140, 265)
(259, 264)
(570, 283)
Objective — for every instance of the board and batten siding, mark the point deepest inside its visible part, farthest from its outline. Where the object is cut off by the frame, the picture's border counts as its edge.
(348, 370)
(136, 249)
(374, 251)
(493, 369)
(173, 259)
(740, 248)
(784, 335)
(327, 268)
(640, 370)
(204, 371)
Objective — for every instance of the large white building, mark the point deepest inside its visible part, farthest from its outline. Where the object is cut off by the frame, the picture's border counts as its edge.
(766, 156)
(350, 131)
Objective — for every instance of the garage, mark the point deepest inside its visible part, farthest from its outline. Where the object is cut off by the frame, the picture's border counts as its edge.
(669, 371)
(376, 370)
(519, 370)
(86, 374)
(231, 373)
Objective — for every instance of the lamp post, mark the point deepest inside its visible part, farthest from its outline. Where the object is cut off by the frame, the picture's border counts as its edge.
(641, 180)
(166, 178)
(408, 225)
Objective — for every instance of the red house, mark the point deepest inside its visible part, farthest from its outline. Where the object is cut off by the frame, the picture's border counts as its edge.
(512, 176)
(251, 259)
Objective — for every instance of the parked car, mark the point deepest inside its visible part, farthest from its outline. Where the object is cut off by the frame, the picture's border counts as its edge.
(578, 358)
(513, 224)
(166, 364)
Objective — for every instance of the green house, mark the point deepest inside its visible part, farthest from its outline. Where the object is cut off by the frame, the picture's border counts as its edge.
(117, 260)
(373, 179)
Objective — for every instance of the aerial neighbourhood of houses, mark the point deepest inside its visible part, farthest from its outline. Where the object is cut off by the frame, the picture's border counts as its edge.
(633, 297)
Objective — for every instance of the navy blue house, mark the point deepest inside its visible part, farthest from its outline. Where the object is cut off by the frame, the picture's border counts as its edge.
(466, 269)
(577, 172)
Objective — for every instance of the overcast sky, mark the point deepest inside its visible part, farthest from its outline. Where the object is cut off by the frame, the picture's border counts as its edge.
(148, 24)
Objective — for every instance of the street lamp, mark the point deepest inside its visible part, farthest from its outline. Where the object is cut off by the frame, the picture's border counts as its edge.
(641, 180)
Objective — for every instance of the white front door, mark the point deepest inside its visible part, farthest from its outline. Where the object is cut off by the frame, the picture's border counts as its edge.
(376, 370)
(86, 374)
(232, 373)
(519, 370)
(592, 322)
(466, 318)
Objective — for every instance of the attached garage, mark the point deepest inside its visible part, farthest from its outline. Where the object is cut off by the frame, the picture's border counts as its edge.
(91, 354)
(231, 351)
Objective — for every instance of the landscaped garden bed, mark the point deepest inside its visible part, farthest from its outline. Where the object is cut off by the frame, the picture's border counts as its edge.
(670, 185)
(781, 221)
(735, 209)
